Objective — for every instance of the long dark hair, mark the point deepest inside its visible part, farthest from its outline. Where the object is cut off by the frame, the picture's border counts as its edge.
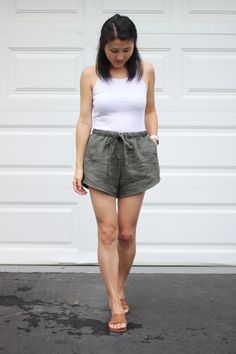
(118, 27)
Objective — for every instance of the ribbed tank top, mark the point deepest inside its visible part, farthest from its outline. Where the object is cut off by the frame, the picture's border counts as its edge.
(119, 104)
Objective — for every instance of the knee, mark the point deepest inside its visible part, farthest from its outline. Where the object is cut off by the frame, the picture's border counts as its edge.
(127, 235)
(107, 233)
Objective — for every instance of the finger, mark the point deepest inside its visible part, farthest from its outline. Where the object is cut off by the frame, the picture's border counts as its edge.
(75, 188)
(81, 190)
(75, 185)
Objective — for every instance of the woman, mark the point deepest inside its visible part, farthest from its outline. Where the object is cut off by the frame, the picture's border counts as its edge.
(119, 159)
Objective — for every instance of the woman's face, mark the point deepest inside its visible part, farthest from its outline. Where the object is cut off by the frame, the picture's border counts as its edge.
(118, 52)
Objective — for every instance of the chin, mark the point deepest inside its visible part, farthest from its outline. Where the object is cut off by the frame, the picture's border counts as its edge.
(116, 64)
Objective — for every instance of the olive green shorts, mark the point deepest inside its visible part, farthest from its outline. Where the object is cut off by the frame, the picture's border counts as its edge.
(120, 164)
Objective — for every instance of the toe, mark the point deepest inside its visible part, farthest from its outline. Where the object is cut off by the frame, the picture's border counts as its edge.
(117, 322)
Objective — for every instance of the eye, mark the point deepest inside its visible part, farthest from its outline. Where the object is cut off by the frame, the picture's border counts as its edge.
(115, 51)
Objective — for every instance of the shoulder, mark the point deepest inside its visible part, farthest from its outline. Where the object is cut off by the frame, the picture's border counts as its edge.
(88, 70)
(148, 68)
(148, 73)
(88, 75)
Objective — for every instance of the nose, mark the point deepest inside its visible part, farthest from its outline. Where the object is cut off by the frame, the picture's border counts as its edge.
(120, 57)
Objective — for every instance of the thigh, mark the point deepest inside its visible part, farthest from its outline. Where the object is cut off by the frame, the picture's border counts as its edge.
(104, 206)
(128, 210)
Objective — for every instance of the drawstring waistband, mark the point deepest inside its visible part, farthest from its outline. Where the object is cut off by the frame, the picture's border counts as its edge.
(114, 137)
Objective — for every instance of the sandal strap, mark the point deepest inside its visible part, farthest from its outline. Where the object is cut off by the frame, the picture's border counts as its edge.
(118, 318)
(124, 303)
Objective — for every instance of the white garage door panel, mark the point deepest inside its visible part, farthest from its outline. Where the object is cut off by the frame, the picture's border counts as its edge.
(198, 149)
(52, 6)
(37, 185)
(38, 119)
(167, 16)
(158, 7)
(47, 218)
(219, 7)
(188, 16)
(40, 147)
(37, 71)
(38, 225)
(218, 68)
(194, 121)
(194, 73)
(176, 226)
(189, 218)
(189, 188)
(185, 255)
(42, 72)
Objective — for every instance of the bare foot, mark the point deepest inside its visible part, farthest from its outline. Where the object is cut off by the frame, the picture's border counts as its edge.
(123, 303)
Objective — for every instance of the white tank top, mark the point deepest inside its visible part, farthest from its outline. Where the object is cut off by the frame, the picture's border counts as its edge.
(119, 105)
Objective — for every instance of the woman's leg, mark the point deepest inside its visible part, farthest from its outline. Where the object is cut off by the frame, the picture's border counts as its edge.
(128, 213)
(105, 211)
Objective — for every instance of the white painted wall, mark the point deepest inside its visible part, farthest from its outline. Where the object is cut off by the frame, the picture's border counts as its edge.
(189, 218)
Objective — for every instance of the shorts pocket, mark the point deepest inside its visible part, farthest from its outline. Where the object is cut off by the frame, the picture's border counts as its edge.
(153, 155)
(149, 147)
(89, 148)
(152, 142)
(96, 150)
(92, 148)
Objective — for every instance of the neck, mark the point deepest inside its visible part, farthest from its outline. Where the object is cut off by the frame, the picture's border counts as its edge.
(119, 71)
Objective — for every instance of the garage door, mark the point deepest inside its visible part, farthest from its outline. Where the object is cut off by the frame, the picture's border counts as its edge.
(187, 219)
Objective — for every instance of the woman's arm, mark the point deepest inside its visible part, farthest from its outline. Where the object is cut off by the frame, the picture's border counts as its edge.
(84, 124)
(83, 128)
(151, 119)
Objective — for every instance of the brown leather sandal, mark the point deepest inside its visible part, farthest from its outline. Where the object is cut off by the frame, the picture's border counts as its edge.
(124, 305)
(118, 318)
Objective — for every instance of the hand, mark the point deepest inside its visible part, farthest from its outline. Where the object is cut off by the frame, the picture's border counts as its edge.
(155, 141)
(78, 188)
